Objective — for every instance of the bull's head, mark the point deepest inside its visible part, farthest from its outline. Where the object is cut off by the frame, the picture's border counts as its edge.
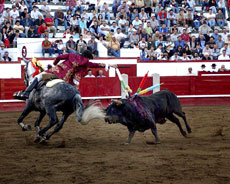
(120, 111)
(114, 112)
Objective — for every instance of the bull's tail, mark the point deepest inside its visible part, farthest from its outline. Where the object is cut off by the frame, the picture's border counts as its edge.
(90, 113)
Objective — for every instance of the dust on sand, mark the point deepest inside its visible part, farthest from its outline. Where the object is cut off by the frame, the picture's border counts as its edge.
(95, 153)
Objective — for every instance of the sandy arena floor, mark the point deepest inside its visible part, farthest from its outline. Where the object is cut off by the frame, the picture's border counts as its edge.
(95, 153)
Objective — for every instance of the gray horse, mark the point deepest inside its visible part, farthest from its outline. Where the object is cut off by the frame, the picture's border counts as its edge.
(61, 97)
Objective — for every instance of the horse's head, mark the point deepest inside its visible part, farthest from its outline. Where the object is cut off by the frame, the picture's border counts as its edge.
(26, 75)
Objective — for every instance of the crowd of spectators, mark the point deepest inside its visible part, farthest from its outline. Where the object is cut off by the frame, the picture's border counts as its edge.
(153, 26)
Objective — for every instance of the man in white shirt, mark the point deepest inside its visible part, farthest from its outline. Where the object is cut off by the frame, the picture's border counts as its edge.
(211, 18)
(213, 69)
(104, 28)
(14, 14)
(6, 15)
(20, 28)
(120, 37)
(89, 75)
(45, 8)
(35, 13)
(223, 56)
(2, 51)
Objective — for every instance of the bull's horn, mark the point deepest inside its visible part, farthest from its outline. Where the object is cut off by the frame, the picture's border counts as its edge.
(117, 102)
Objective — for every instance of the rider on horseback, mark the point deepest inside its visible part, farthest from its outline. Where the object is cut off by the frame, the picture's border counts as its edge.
(74, 64)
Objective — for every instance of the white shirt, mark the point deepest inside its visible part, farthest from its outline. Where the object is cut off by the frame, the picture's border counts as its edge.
(45, 8)
(119, 36)
(60, 46)
(212, 16)
(2, 52)
(191, 3)
(90, 76)
(14, 14)
(73, 22)
(222, 57)
(103, 29)
(35, 14)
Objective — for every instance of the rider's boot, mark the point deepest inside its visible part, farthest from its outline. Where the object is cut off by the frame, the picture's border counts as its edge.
(25, 94)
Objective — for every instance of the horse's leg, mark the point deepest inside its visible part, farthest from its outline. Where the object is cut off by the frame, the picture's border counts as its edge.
(175, 120)
(25, 112)
(59, 125)
(37, 124)
(53, 119)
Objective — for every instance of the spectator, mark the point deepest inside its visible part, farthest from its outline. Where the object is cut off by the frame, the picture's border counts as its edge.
(143, 15)
(224, 34)
(67, 33)
(163, 31)
(26, 23)
(2, 51)
(104, 28)
(225, 48)
(114, 47)
(159, 50)
(204, 29)
(151, 52)
(83, 25)
(123, 24)
(222, 6)
(179, 42)
(134, 38)
(160, 41)
(169, 51)
(89, 74)
(214, 69)
(227, 41)
(95, 30)
(158, 9)
(196, 56)
(15, 37)
(20, 28)
(190, 71)
(50, 23)
(187, 51)
(136, 23)
(68, 16)
(142, 44)
(61, 47)
(59, 19)
(181, 18)
(32, 33)
(203, 68)
(222, 69)
(171, 18)
(185, 57)
(175, 57)
(148, 29)
(35, 13)
(116, 4)
(223, 56)
(207, 50)
(114, 27)
(81, 45)
(175, 35)
(38, 22)
(14, 14)
(103, 42)
(216, 52)
(220, 18)
(215, 35)
(185, 36)
(162, 17)
(74, 24)
(211, 19)
(54, 48)
(206, 56)
(71, 46)
(100, 73)
(185, 5)
(6, 56)
(220, 42)
(154, 23)
(189, 17)
(133, 15)
(108, 37)
(212, 5)
(205, 4)
(105, 12)
(192, 43)
(23, 13)
(120, 37)
(41, 29)
(92, 46)
(6, 15)
(124, 6)
(196, 20)
(202, 41)
(45, 8)
(46, 47)
(140, 4)
(211, 42)
(198, 50)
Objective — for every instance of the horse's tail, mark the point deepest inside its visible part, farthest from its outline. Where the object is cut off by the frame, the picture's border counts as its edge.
(89, 113)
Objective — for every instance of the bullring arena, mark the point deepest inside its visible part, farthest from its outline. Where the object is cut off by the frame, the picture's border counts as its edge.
(96, 153)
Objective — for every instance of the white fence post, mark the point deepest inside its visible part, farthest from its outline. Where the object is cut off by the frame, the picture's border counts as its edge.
(156, 80)
(126, 81)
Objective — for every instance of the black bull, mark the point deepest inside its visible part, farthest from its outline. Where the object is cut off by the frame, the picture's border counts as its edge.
(142, 113)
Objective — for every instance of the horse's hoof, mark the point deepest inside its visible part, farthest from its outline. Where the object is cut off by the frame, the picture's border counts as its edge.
(37, 139)
(27, 128)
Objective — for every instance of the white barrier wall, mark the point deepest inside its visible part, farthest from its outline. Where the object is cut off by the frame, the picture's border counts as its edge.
(8, 71)
(175, 69)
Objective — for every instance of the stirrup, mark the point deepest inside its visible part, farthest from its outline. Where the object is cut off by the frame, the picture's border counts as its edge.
(20, 95)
